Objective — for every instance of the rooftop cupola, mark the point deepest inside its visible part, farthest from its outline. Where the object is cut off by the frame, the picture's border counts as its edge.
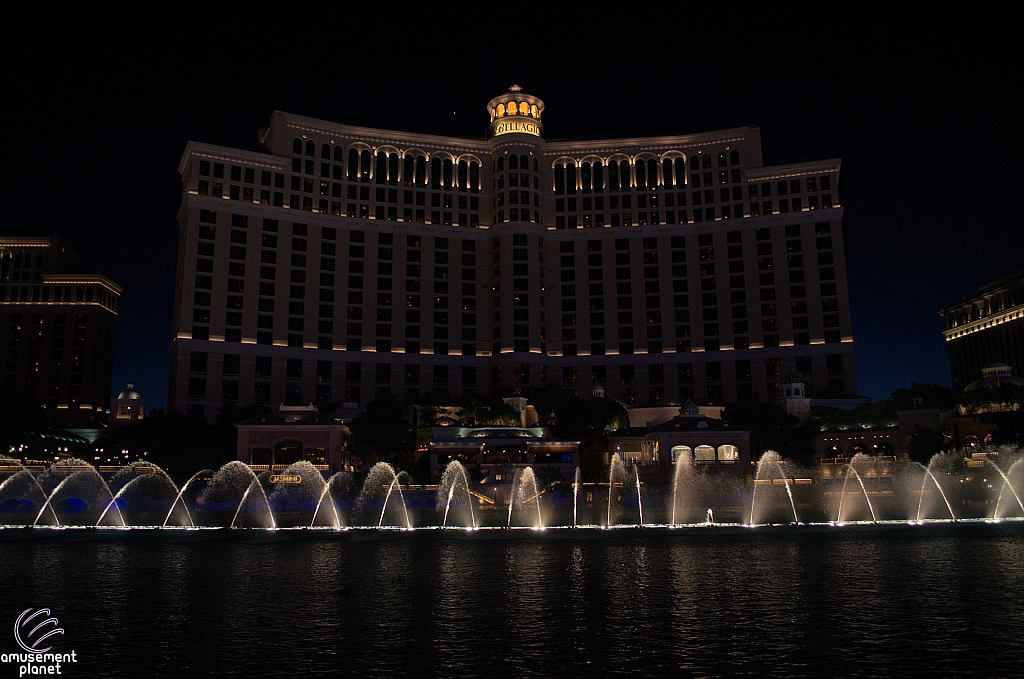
(515, 112)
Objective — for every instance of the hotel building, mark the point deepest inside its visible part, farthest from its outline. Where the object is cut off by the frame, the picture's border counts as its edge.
(986, 329)
(340, 262)
(57, 329)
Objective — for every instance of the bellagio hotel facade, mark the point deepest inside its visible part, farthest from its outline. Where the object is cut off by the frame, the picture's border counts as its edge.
(338, 263)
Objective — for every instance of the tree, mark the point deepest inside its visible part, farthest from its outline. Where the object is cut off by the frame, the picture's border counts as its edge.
(931, 395)
(924, 444)
(774, 428)
(384, 433)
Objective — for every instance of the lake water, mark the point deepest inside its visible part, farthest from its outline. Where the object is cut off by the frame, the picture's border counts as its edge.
(940, 600)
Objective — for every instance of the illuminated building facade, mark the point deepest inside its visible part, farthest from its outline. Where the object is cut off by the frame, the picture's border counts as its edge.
(985, 330)
(57, 329)
(341, 262)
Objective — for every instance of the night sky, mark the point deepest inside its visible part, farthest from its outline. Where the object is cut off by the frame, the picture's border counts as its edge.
(918, 106)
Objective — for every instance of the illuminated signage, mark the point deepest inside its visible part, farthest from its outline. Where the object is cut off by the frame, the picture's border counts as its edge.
(294, 479)
(509, 126)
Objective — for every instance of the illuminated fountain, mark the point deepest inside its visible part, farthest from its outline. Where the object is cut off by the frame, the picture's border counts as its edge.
(929, 480)
(453, 493)
(234, 491)
(685, 486)
(958, 486)
(21, 494)
(143, 494)
(524, 500)
(578, 482)
(851, 468)
(180, 504)
(770, 475)
(77, 495)
(382, 485)
(335, 488)
(1003, 508)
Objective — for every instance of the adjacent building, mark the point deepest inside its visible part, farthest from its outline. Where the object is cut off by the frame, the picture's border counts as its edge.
(278, 439)
(337, 263)
(57, 330)
(986, 329)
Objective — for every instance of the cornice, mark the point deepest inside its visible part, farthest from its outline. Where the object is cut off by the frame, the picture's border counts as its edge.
(378, 137)
(230, 155)
(793, 169)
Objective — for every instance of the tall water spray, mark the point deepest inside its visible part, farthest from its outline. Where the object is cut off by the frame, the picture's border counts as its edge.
(997, 512)
(682, 486)
(335, 486)
(20, 492)
(383, 481)
(142, 491)
(851, 468)
(616, 474)
(526, 498)
(578, 481)
(769, 468)
(454, 487)
(929, 474)
(78, 484)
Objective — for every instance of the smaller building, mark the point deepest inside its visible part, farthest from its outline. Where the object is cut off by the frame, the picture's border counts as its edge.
(711, 443)
(292, 433)
(128, 408)
(986, 328)
(499, 450)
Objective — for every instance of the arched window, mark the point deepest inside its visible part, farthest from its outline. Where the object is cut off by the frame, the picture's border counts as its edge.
(679, 452)
(435, 173)
(536, 165)
(666, 171)
(310, 148)
(463, 176)
(585, 177)
(408, 171)
(524, 108)
(641, 175)
(704, 454)
(353, 165)
(325, 151)
(680, 171)
(722, 160)
(524, 162)
(338, 154)
(264, 456)
(559, 179)
(694, 162)
(652, 173)
(728, 453)
(500, 165)
(734, 158)
(297, 146)
(365, 160)
(393, 169)
(570, 179)
(474, 177)
(421, 171)
(513, 162)
(706, 161)
(447, 173)
(624, 175)
(381, 172)
(598, 177)
(613, 175)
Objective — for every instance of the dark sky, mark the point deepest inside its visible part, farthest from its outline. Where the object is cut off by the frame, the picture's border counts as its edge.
(918, 105)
